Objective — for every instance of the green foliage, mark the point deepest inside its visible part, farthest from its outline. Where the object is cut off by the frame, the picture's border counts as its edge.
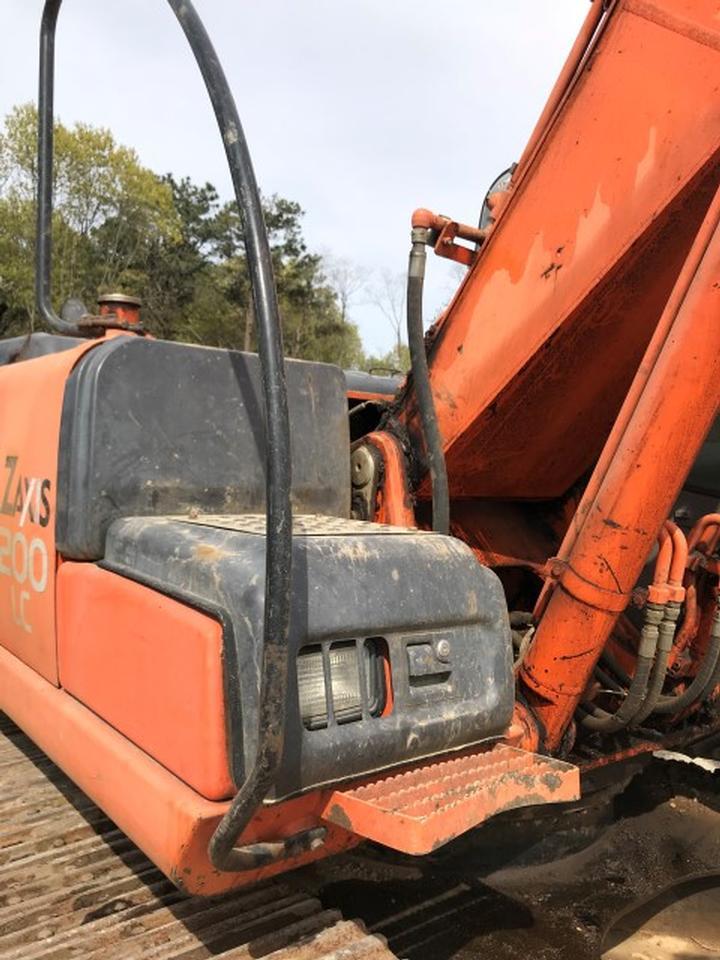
(117, 225)
(108, 208)
(395, 361)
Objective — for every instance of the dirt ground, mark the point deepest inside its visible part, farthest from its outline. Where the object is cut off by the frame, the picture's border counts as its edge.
(631, 876)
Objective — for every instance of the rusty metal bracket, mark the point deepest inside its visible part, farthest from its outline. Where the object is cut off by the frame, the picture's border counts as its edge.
(255, 855)
(443, 233)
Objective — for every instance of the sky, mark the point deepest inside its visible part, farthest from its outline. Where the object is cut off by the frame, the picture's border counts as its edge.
(360, 111)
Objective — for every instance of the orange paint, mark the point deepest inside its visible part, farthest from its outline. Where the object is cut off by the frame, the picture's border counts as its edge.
(150, 667)
(395, 505)
(530, 363)
(31, 398)
(664, 433)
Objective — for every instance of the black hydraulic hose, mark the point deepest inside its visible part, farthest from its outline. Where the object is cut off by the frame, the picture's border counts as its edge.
(712, 683)
(278, 557)
(604, 722)
(421, 382)
(610, 663)
(659, 670)
(609, 682)
(701, 681)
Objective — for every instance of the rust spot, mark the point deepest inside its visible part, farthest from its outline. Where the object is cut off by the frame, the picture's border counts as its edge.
(609, 522)
(338, 816)
(204, 551)
(553, 268)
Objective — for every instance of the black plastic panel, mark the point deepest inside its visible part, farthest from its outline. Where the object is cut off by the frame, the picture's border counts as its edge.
(151, 427)
(16, 349)
(360, 382)
(419, 592)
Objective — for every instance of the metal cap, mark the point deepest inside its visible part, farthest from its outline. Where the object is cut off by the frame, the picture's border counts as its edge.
(119, 298)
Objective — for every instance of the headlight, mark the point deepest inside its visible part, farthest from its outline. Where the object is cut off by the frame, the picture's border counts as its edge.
(353, 685)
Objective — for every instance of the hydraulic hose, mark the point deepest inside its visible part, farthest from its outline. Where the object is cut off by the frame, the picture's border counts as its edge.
(701, 681)
(668, 577)
(666, 630)
(421, 382)
(712, 683)
(661, 617)
(603, 722)
(278, 555)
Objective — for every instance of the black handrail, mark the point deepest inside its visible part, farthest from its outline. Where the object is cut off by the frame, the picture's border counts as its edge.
(278, 558)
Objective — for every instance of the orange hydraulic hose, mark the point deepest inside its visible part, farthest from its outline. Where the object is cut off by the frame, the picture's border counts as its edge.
(680, 550)
(690, 622)
(713, 542)
(661, 426)
(664, 558)
(670, 563)
(700, 528)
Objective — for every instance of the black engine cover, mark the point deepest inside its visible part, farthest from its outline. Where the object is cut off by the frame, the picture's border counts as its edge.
(151, 427)
(351, 580)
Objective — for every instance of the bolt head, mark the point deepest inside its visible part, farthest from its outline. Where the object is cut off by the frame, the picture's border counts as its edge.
(362, 467)
(442, 650)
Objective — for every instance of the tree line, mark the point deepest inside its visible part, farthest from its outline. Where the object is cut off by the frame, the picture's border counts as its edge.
(175, 244)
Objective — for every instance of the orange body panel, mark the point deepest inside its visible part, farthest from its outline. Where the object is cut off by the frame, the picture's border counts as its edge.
(665, 429)
(151, 667)
(531, 361)
(31, 399)
(170, 822)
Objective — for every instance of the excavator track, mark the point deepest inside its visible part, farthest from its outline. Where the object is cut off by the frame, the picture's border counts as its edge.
(74, 886)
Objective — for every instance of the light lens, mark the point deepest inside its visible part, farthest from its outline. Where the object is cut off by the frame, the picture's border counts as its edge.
(311, 688)
(344, 674)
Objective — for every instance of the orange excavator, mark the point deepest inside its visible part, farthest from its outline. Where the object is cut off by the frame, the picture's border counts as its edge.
(259, 610)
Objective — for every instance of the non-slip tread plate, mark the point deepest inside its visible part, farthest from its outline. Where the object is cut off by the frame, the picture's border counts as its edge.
(306, 525)
(73, 887)
(432, 802)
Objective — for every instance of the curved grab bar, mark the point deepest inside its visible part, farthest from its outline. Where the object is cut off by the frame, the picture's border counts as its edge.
(278, 554)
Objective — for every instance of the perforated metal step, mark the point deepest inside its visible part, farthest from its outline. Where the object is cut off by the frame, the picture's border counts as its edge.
(420, 809)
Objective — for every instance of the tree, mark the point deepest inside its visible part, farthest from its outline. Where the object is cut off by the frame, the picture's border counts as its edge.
(347, 279)
(107, 210)
(388, 295)
(117, 224)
